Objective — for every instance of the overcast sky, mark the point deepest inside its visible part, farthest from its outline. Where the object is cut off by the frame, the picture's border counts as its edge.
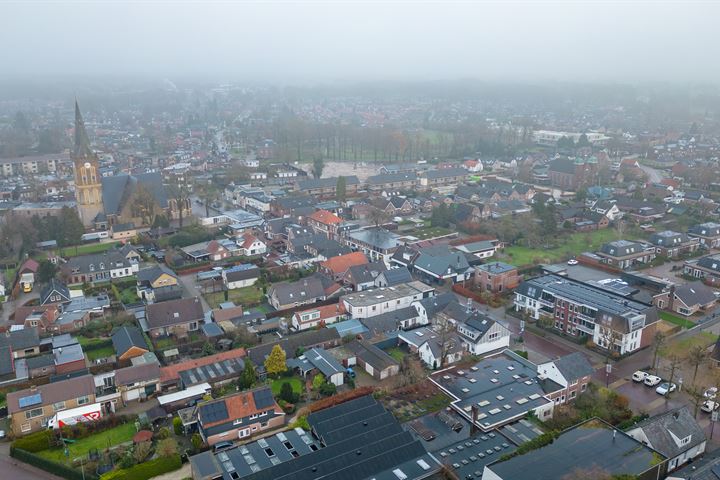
(337, 40)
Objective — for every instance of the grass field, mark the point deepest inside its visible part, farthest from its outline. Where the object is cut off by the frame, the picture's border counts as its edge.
(295, 382)
(397, 353)
(430, 232)
(114, 436)
(683, 346)
(242, 296)
(104, 352)
(572, 244)
(88, 248)
(676, 320)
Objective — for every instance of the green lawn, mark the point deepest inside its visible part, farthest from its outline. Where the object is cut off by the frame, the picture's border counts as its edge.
(683, 346)
(10, 276)
(295, 382)
(108, 438)
(89, 342)
(430, 232)
(242, 296)
(676, 320)
(88, 248)
(104, 352)
(397, 353)
(572, 245)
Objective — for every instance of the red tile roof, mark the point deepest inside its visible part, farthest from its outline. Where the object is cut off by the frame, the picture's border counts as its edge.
(341, 263)
(326, 311)
(172, 372)
(325, 217)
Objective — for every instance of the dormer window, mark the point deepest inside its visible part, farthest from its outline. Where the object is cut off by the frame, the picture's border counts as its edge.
(685, 440)
(102, 266)
(92, 267)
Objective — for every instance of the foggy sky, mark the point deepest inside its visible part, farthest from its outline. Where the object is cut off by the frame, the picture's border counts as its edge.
(290, 42)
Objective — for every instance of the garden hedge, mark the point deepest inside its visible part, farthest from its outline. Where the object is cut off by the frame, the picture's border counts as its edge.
(35, 442)
(145, 470)
(49, 466)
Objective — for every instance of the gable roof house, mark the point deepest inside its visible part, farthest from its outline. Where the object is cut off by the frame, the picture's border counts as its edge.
(54, 292)
(362, 277)
(673, 244)
(239, 416)
(337, 267)
(240, 276)
(158, 283)
(21, 343)
(394, 182)
(319, 360)
(325, 223)
(438, 350)
(708, 234)
(675, 434)
(481, 334)
(624, 254)
(250, 245)
(128, 343)
(442, 177)
(315, 317)
(392, 277)
(327, 186)
(98, 268)
(174, 317)
(572, 372)
(315, 288)
(691, 298)
(438, 264)
(374, 361)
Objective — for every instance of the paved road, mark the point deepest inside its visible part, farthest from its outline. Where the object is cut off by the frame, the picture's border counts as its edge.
(190, 286)
(15, 469)
(654, 176)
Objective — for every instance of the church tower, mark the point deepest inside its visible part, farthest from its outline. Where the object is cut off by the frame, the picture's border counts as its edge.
(88, 186)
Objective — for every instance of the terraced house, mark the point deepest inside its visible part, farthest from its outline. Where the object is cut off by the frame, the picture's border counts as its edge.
(98, 268)
(624, 253)
(707, 233)
(673, 244)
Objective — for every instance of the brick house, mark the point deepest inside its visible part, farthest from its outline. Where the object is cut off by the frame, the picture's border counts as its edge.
(174, 317)
(496, 277)
(572, 372)
(325, 223)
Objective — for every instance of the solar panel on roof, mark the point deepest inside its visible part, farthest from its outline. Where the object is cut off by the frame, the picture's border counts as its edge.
(263, 398)
(30, 400)
(213, 412)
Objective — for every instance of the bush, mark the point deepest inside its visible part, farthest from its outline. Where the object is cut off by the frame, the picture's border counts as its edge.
(35, 442)
(301, 422)
(522, 353)
(286, 393)
(327, 389)
(177, 426)
(163, 433)
(49, 466)
(145, 470)
(196, 441)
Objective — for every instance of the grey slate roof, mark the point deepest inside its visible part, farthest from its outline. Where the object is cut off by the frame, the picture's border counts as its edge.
(695, 293)
(621, 248)
(445, 173)
(392, 178)
(20, 339)
(439, 260)
(574, 366)
(389, 321)
(365, 273)
(57, 286)
(396, 276)
(709, 229)
(326, 182)
(117, 189)
(174, 312)
(297, 291)
(679, 422)
(149, 275)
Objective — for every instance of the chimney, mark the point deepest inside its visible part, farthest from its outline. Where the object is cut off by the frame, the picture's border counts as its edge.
(473, 425)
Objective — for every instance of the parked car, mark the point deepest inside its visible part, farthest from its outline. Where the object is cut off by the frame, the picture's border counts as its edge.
(639, 376)
(652, 380)
(710, 392)
(709, 406)
(665, 388)
(572, 261)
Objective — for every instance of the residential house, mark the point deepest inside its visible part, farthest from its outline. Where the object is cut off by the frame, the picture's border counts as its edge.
(393, 182)
(324, 337)
(22, 343)
(307, 290)
(374, 361)
(437, 264)
(68, 355)
(174, 317)
(386, 299)
(337, 267)
(439, 350)
(317, 317)
(387, 323)
(158, 283)
(708, 234)
(573, 372)
(472, 213)
(705, 267)
(674, 244)
(691, 298)
(377, 243)
(138, 382)
(98, 268)
(325, 223)
(395, 206)
(214, 250)
(170, 375)
(238, 416)
(30, 409)
(318, 360)
(123, 231)
(433, 179)
(54, 292)
(249, 245)
(392, 277)
(327, 186)
(481, 334)
(480, 249)
(496, 277)
(607, 208)
(128, 343)
(625, 254)
(609, 319)
(572, 173)
(285, 206)
(240, 276)
(675, 434)
(362, 277)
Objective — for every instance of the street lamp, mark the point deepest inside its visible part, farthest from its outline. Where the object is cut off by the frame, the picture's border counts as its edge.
(608, 369)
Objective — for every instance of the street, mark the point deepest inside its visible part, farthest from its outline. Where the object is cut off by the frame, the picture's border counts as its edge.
(15, 469)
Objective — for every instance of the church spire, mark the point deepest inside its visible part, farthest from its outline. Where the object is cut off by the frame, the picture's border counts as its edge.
(82, 142)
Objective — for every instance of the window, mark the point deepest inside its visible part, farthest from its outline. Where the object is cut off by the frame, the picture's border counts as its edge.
(583, 387)
(59, 406)
(572, 394)
(685, 440)
(83, 400)
(25, 427)
(193, 326)
(35, 412)
(238, 421)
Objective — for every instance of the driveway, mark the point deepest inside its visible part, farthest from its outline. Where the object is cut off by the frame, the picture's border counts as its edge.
(190, 286)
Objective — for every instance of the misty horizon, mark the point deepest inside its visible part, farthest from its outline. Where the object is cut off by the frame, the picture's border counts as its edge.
(346, 42)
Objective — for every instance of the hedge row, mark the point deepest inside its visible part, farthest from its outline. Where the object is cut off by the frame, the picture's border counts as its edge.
(340, 398)
(145, 470)
(35, 442)
(49, 466)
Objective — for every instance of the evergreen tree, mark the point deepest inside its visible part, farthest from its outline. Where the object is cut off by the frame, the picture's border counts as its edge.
(71, 227)
(286, 393)
(340, 189)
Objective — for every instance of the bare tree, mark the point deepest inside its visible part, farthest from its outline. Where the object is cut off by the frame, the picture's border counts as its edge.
(696, 397)
(696, 356)
(658, 343)
(445, 328)
(378, 216)
(674, 363)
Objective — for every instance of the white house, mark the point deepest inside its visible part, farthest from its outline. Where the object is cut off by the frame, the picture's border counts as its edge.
(381, 300)
(250, 245)
(432, 350)
(481, 334)
(240, 276)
